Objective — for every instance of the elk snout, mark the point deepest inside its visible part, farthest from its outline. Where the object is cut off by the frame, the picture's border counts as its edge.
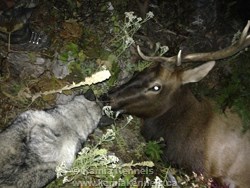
(108, 99)
(104, 99)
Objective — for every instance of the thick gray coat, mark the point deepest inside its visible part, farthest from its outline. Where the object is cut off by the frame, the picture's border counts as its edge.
(37, 141)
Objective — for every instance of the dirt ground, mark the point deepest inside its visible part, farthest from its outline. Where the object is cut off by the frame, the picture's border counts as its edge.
(87, 33)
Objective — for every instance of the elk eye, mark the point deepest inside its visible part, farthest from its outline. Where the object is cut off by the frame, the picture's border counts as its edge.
(155, 88)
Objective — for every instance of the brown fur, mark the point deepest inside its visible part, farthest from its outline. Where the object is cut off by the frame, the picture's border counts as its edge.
(196, 138)
(180, 134)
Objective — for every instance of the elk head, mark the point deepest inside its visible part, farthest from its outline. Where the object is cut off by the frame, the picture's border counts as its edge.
(156, 87)
(154, 90)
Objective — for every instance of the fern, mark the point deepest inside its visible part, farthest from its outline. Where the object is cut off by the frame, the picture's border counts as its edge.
(154, 150)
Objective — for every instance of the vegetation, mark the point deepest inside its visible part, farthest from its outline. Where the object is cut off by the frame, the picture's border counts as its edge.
(102, 37)
(154, 150)
(235, 89)
(96, 167)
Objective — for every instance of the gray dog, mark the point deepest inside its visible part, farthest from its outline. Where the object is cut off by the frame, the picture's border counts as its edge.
(37, 141)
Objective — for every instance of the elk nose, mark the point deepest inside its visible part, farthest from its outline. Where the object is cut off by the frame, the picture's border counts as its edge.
(104, 99)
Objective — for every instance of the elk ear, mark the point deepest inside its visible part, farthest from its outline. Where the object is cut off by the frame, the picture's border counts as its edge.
(196, 74)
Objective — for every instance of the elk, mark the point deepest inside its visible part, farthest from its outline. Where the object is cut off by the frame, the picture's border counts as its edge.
(196, 137)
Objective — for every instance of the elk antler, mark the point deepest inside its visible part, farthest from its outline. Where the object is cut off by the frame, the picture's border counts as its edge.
(242, 43)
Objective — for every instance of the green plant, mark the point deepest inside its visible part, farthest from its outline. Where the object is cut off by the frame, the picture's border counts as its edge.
(154, 150)
(139, 151)
(97, 167)
(235, 89)
(76, 60)
(125, 31)
(141, 65)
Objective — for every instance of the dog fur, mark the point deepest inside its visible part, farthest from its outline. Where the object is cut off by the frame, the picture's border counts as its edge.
(37, 141)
